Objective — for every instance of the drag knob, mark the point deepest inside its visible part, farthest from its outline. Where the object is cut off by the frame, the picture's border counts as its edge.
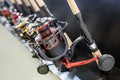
(106, 62)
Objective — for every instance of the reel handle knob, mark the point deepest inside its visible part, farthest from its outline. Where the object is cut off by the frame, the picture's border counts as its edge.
(105, 62)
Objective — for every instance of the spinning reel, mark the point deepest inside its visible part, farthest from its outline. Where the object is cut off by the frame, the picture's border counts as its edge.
(10, 14)
(52, 42)
(24, 27)
(105, 62)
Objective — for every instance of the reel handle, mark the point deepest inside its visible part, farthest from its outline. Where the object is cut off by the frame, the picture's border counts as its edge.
(103, 59)
(105, 62)
(69, 64)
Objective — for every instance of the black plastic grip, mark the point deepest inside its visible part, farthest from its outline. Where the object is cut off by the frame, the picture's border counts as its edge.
(83, 27)
(46, 11)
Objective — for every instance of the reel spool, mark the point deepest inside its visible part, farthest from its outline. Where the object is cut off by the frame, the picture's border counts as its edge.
(52, 42)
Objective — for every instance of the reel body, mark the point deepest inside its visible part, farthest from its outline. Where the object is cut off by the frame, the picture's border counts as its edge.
(52, 44)
(49, 38)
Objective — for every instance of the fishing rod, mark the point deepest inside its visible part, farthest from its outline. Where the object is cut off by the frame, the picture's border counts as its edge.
(29, 7)
(105, 62)
(23, 22)
(43, 6)
(7, 3)
(22, 7)
(2, 3)
(36, 8)
(16, 6)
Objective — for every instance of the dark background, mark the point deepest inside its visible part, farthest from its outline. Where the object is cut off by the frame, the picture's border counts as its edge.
(102, 18)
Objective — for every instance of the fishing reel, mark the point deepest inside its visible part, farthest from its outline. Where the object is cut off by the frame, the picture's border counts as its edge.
(10, 14)
(24, 27)
(52, 44)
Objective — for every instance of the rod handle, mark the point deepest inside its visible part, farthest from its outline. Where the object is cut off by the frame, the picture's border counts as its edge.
(40, 3)
(26, 3)
(73, 6)
(68, 40)
(35, 7)
(19, 2)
